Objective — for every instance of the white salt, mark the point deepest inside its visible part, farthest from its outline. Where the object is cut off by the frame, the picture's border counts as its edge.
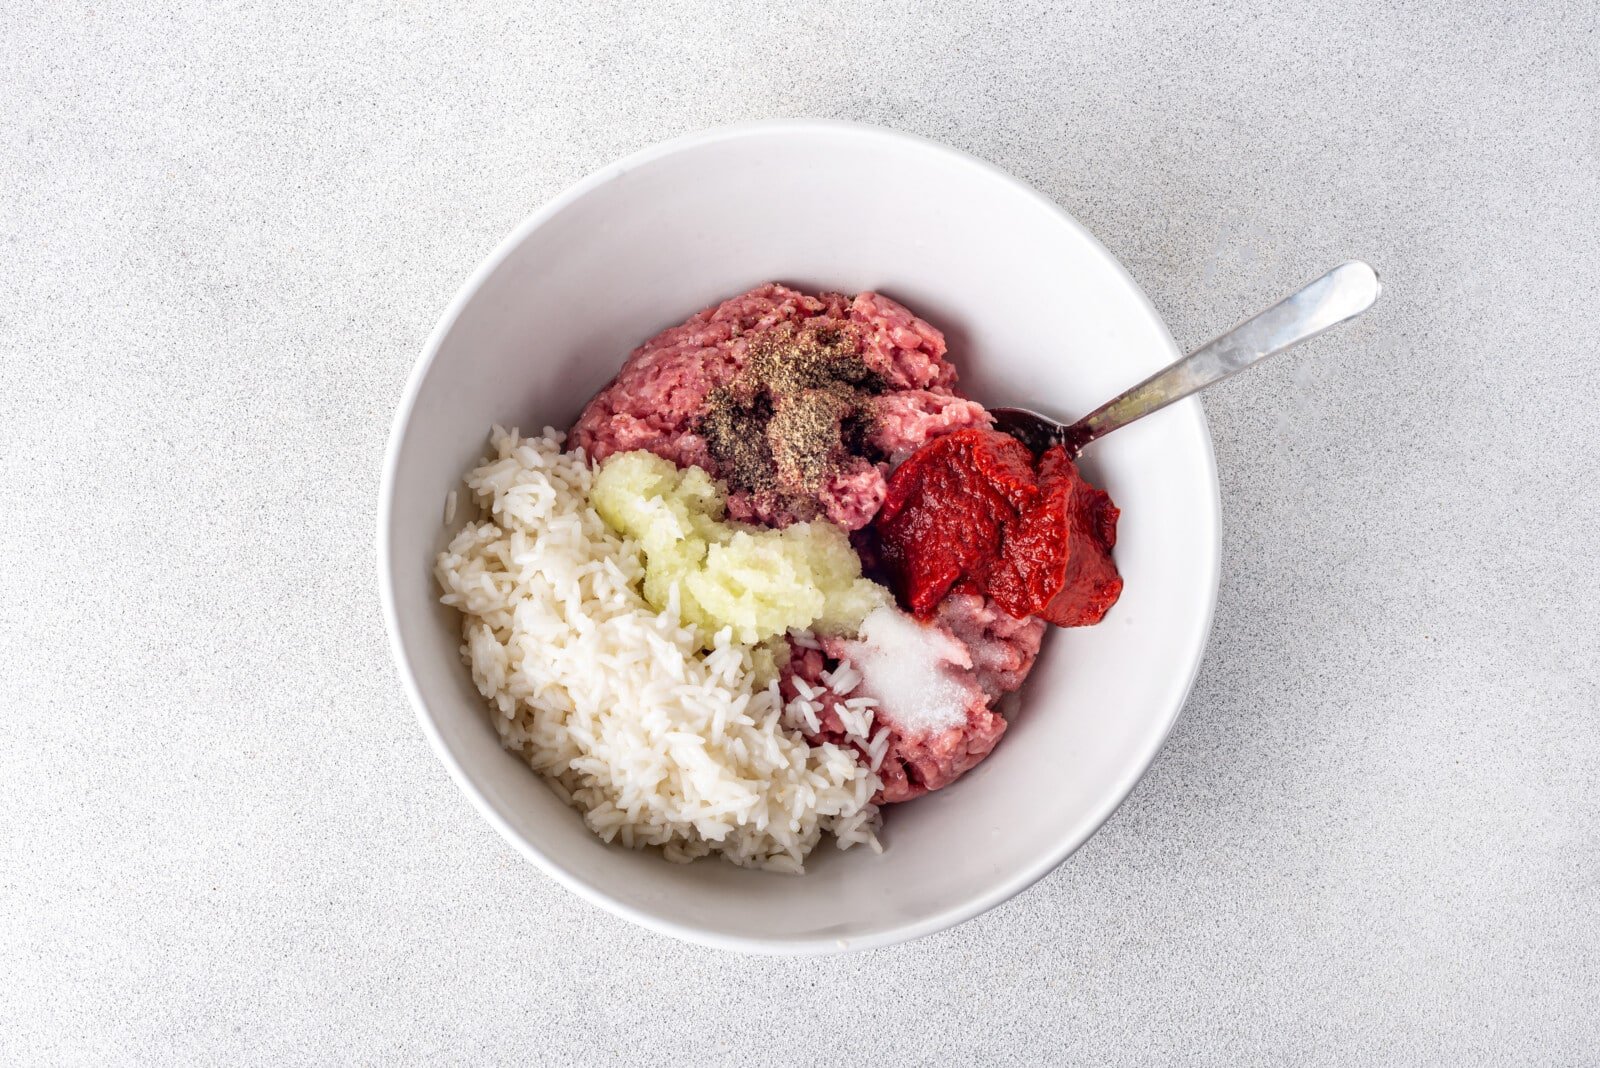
(911, 669)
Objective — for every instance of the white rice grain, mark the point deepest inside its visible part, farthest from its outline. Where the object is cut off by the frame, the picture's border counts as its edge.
(656, 741)
(878, 749)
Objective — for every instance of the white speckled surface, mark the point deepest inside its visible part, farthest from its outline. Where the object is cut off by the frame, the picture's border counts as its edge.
(225, 231)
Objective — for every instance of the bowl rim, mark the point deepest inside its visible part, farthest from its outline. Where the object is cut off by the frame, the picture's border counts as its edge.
(1050, 859)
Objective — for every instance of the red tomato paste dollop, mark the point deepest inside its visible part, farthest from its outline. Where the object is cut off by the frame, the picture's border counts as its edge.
(974, 512)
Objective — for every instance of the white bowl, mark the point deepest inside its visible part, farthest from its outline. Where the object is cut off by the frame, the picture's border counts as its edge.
(1036, 312)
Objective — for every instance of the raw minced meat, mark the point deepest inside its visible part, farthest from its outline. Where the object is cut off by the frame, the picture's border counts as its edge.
(661, 398)
(1003, 648)
(1002, 651)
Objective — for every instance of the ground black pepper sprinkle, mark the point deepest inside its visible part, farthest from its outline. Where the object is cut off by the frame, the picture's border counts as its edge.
(795, 413)
(803, 434)
(737, 436)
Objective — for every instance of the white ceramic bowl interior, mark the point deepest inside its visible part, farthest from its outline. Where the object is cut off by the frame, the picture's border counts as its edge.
(1036, 312)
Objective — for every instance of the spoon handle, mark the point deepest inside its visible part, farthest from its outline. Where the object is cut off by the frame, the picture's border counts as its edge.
(1343, 293)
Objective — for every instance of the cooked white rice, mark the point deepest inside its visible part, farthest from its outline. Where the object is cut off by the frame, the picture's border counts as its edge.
(657, 742)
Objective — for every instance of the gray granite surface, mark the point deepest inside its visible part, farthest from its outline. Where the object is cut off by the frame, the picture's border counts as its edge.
(225, 231)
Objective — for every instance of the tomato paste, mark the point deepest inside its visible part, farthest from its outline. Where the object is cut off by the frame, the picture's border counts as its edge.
(975, 512)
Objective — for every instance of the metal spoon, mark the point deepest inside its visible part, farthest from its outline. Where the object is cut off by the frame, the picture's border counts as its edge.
(1343, 293)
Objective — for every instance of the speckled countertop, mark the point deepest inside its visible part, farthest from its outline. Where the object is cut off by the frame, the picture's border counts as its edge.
(225, 231)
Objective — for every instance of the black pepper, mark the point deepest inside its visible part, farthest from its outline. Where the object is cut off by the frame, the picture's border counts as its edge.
(797, 411)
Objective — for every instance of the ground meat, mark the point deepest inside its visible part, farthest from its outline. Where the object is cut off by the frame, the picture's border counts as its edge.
(905, 350)
(849, 497)
(1002, 649)
(655, 400)
(919, 761)
(855, 493)
(808, 665)
(658, 400)
(934, 760)
(903, 422)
